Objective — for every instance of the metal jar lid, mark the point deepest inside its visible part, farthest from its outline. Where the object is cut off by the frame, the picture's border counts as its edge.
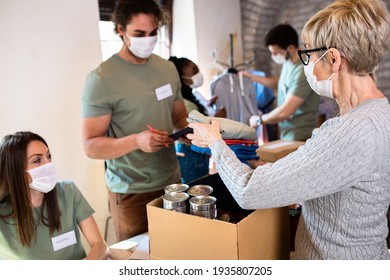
(200, 190)
(203, 203)
(174, 199)
(176, 188)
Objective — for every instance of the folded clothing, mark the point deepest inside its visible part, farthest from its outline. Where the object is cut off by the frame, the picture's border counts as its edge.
(239, 141)
(230, 129)
(243, 152)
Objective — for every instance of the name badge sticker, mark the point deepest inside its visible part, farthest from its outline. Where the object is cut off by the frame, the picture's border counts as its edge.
(163, 92)
(64, 240)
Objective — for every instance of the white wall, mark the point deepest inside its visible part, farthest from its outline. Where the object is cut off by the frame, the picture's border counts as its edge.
(184, 43)
(47, 48)
(201, 26)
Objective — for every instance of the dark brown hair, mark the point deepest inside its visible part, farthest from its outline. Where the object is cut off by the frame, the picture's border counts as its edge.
(15, 192)
(125, 10)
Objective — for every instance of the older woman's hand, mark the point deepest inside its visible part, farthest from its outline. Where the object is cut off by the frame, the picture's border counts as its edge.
(205, 134)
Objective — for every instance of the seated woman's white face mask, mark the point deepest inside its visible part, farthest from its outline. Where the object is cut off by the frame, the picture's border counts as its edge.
(44, 178)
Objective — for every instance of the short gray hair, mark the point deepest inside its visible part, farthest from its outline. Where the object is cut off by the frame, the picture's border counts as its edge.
(359, 29)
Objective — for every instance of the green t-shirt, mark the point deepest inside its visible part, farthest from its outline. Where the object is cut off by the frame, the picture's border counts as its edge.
(293, 81)
(74, 209)
(132, 94)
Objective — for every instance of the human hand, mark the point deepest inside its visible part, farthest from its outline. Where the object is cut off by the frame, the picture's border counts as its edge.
(204, 134)
(212, 101)
(246, 74)
(184, 140)
(153, 141)
(254, 121)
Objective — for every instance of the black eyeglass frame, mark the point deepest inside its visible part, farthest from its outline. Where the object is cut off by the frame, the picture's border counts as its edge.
(306, 52)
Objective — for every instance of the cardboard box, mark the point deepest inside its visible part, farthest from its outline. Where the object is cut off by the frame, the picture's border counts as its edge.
(274, 150)
(260, 234)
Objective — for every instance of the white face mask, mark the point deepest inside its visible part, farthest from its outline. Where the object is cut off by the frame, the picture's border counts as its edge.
(44, 177)
(278, 58)
(142, 46)
(197, 80)
(324, 87)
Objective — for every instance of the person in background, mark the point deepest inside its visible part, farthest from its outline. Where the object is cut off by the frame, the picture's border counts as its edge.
(40, 217)
(296, 113)
(341, 174)
(297, 104)
(130, 104)
(193, 165)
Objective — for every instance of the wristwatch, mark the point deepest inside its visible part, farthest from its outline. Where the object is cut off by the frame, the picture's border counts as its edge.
(261, 119)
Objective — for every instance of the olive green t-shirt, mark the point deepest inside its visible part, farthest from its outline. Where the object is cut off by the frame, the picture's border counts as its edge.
(293, 81)
(74, 209)
(135, 95)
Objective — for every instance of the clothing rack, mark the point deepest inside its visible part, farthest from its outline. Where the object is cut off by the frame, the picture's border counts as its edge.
(231, 68)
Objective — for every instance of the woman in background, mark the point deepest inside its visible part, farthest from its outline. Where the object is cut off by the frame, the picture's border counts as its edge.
(342, 173)
(193, 165)
(39, 216)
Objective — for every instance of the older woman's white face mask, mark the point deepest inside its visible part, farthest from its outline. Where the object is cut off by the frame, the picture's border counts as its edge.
(324, 87)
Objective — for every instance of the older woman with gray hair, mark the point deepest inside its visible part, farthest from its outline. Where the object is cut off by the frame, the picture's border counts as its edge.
(342, 173)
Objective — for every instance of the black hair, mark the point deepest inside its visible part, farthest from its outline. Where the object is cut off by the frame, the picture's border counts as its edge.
(282, 35)
(180, 64)
(125, 10)
(186, 91)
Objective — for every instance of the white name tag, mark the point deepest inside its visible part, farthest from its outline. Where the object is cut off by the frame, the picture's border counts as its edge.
(163, 92)
(64, 240)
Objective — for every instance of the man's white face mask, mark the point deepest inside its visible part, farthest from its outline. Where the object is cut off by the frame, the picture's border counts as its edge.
(142, 46)
(324, 87)
(278, 58)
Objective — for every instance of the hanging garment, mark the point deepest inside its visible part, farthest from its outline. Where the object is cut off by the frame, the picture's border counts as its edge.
(264, 95)
(265, 99)
(237, 94)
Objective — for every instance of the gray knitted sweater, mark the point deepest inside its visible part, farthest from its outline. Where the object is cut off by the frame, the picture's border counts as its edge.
(342, 176)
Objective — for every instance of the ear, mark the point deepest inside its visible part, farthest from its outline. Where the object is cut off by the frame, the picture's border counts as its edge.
(335, 59)
(291, 48)
(121, 30)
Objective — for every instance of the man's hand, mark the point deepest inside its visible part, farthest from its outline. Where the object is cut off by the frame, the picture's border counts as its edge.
(254, 121)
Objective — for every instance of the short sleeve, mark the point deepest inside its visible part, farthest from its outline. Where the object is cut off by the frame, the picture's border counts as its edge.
(81, 208)
(299, 86)
(94, 99)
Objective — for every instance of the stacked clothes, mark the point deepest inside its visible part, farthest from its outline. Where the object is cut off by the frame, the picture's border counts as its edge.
(240, 137)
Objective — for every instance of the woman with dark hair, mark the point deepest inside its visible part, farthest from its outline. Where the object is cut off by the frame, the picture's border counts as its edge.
(193, 165)
(190, 78)
(39, 216)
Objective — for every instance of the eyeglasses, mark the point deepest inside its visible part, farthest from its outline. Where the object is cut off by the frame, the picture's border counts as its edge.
(305, 56)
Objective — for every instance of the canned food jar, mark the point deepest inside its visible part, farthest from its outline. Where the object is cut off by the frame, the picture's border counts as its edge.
(200, 190)
(203, 203)
(210, 214)
(175, 200)
(176, 188)
(181, 209)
